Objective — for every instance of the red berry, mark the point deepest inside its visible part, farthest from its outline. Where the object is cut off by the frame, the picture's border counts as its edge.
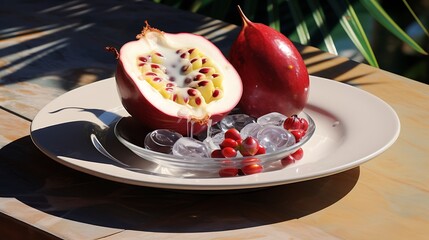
(292, 123)
(298, 154)
(229, 152)
(228, 172)
(250, 161)
(304, 124)
(217, 154)
(233, 134)
(228, 142)
(249, 146)
(227, 163)
(252, 166)
(261, 150)
(287, 160)
(298, 134)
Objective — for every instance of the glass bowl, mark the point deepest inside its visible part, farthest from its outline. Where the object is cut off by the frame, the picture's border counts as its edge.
(132, 134)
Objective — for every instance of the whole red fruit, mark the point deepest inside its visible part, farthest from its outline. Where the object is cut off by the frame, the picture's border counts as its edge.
(274, 76)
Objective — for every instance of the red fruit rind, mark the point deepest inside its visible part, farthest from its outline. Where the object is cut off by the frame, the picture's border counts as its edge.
(274, 75)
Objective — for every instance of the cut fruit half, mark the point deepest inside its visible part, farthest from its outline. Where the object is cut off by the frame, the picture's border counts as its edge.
(176, 81)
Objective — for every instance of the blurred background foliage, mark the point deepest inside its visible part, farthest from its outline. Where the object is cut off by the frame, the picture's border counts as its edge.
(389, 34)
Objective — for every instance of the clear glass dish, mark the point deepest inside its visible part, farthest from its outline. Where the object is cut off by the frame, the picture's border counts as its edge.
(132, 134)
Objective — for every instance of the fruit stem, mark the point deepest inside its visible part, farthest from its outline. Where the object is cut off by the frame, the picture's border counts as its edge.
(146, 29)
(244, 19)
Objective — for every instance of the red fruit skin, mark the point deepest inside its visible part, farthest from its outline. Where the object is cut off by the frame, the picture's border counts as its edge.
(274, 76)
(143, 110)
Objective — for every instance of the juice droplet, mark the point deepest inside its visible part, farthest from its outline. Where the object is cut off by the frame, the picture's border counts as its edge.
(209, 128)
(190, 127)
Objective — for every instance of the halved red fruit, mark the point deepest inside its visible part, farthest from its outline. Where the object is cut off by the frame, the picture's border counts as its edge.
(173, 81)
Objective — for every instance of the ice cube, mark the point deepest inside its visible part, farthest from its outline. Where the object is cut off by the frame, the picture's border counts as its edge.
(250, 129)
(237, 121)
(274, 138)
(161, 140)
(273, 118)
(190, 147)
(218, 138)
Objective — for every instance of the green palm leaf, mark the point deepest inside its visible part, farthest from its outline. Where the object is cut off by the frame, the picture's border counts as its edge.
(301, 25)
(273, 14)
(384, 19)
(306, 22)
(320, 19)
(351, 25)
(416, 18)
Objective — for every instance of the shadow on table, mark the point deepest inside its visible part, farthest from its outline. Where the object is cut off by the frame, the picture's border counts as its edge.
(62, 43)
(39, 182)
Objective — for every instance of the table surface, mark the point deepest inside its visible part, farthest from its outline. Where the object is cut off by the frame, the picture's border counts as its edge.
(48, 48)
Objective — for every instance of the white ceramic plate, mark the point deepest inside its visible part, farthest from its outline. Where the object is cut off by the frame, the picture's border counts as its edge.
(352, 126)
